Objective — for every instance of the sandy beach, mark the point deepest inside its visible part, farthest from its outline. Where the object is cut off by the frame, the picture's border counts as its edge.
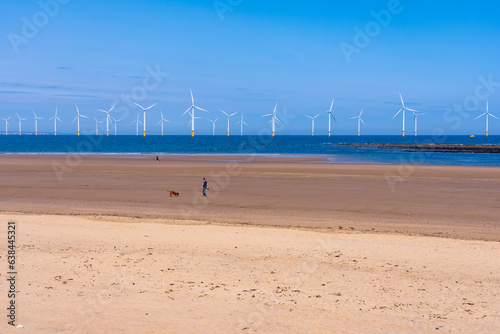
(450, 201)
(289, 245)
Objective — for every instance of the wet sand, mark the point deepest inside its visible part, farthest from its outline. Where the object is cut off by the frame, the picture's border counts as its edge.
(449, 201)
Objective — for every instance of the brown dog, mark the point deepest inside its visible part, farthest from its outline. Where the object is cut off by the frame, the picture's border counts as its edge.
(173, 193)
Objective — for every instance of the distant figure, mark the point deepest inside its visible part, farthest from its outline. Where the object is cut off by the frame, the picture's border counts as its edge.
(158, 158)
(205, 187)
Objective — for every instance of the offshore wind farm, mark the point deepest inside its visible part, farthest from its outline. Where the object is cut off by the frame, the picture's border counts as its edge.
(274, 122)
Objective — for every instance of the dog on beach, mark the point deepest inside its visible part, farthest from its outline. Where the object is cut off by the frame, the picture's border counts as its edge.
(173, 193)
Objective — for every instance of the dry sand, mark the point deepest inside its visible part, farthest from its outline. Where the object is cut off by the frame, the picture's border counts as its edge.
(124, 275)
(103, 249)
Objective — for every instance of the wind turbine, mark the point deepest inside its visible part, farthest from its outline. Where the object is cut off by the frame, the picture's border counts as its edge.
(313, 118)
(97, 126)
(403, 109)
(415, 119)
(77, 118)
(274, 119)
(137, 122)
(36, 123)
(487, 113)
(55, 118)
(6, 124)
(20, 120)
(162, 120)
(330, 116)
(108, 117)
(227, 119)
(359, 122)
(191, 113)
(116, 121)
(144, 109)
(242, 122)
(213, 129)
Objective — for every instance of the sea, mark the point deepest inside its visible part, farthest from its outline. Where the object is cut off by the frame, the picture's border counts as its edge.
(241, 146)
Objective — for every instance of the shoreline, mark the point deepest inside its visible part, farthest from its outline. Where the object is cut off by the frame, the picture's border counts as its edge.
(330, 159)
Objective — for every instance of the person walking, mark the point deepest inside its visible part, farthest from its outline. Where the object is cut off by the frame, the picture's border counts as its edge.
(205, 187)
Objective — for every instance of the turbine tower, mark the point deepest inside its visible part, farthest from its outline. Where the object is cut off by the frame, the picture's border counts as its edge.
(415, 119)
(191, 113)
(6, 124)
(241, 122)
(108, 117)
(55, 118)
(20, 120)
(487, 113)
(77, 119)
(162, 120)
(330, 116)
(213, 128)
(144, 109)
(116, 121)
(313, 118)
(274, 119)
(403, 109)
(137, 122)
(359, 122)
(97, 126)
(36, 123)
(227, 119)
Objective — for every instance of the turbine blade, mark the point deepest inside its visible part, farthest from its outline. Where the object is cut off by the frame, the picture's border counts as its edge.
(151, 106)
(201, 109)
(114, 105)
(480, 116)
(402, 102)
(137, 104)
(187, 111)
(397, 114)
(494, 116)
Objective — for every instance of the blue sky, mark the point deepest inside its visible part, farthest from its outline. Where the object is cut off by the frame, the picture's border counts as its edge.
(442, 57)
